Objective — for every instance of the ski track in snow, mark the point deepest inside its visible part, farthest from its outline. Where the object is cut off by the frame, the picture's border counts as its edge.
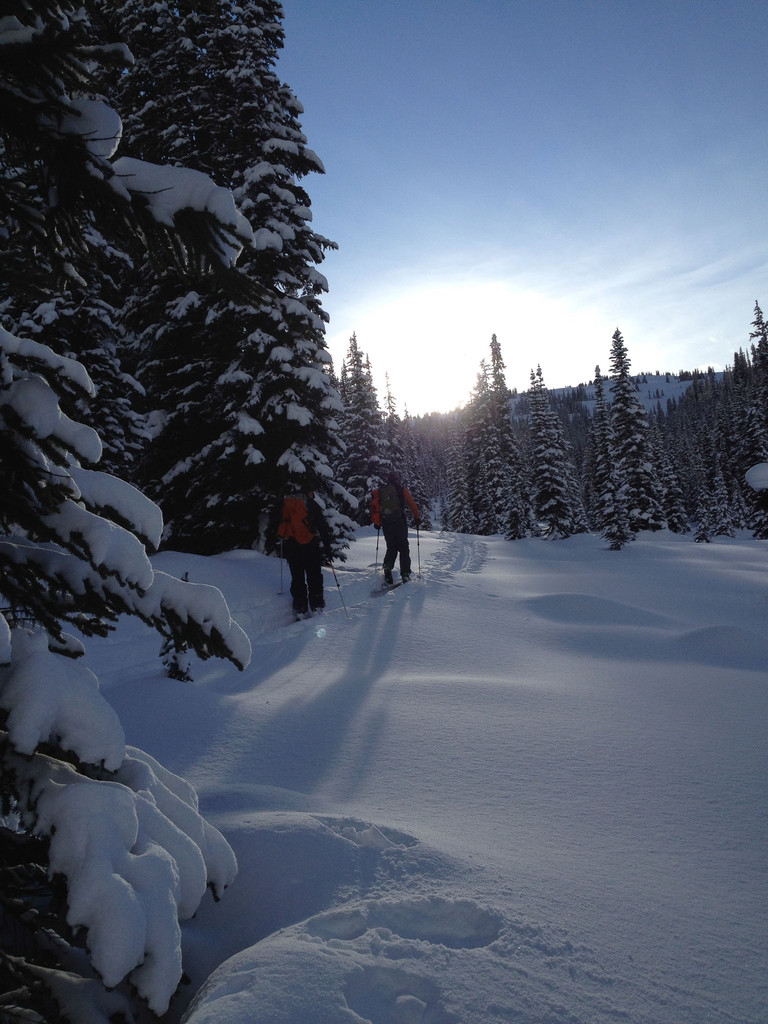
(391, 925)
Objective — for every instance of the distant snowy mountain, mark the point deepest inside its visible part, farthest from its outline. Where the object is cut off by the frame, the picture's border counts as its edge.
(652, 388)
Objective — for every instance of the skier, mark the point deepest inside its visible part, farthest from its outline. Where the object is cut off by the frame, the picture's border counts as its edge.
(388, 514)
(307, 541)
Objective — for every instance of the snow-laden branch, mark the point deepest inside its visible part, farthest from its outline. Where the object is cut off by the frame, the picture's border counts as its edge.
(134, 851)
(199, 606)
(24, 348)
(119, 500)
(167, 191)
(110, 548)
(36, 406)
(47, 696)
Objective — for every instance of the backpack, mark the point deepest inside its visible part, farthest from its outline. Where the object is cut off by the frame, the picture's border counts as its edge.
(295, 522)
(390, 505)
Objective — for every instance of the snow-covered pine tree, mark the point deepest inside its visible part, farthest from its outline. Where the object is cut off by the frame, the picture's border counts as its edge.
(598, 459)
(365, 462)
(755, 434)
(65, 298)
(239, 388)
(632, 456)
(102, 851)
(433, 433)
(726, 422)
(79, 322)
(393, 433)
(674, 510)
(703, 529)
(557, 502)
(759, 338)
(514, 502)
(458, 516)
(413, 472)
(488, 477)
(713, 500)
(609, 511)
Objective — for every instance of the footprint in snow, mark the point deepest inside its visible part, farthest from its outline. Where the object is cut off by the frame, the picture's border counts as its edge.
(368, 836)
(390, 995)
(457, 924)
(387, 994)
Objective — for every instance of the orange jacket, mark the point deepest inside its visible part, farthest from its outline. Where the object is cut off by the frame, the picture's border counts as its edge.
(294, 524)
(376, 512)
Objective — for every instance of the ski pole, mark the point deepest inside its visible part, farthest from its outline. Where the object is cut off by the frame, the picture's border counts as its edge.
(418, 549)
(376, 566)
(338, 586)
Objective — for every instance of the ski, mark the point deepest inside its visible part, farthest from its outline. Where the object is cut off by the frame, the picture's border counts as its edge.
(385, 588)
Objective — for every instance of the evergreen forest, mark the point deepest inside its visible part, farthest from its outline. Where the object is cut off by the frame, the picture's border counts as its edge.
(164, 382)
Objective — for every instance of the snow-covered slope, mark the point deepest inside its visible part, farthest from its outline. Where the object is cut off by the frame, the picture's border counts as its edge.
(529, 786)
(653, 389)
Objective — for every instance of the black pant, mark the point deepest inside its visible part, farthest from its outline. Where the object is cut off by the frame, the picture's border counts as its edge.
(305, 563)
(396, 537)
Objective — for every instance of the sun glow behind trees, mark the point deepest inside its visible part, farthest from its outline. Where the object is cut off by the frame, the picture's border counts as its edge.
(404, 329)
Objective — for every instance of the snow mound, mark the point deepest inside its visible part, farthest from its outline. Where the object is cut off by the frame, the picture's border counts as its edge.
(576, 609)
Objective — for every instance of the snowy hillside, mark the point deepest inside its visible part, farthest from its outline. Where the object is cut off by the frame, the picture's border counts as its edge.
(530, 786)
(652, 389)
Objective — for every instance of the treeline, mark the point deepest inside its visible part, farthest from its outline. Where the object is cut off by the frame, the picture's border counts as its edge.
(213, 391)
(614, 456)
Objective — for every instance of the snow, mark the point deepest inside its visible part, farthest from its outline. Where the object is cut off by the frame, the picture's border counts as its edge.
(14, 33)
(195, 602)
(47, 696)
(299, 413)
(169, 190)
(109, 547)
(529, 786)
(83, 1000)
(68, 368)
(136, 854)
(757, 476)
(264, 238)
(96, 122)
(650, 390)
(37, 406)
(289, 461)
(246, 424)
(106, 492)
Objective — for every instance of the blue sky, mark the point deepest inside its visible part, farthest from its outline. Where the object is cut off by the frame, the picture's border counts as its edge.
(545, 170)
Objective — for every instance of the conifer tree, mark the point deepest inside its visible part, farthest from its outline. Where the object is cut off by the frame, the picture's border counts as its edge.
(95, 838)
(487, 480)
(80, 323)
(65, 298)
(755, 431)
(703, 517)
(364, 463)
(413, 472)
(601, 453)
(457, 511)
(496, 482)
(393, 433)
(609, 508)
(632, 455)
(238, 385)
(674, 505)
(759, 337)
(513, 507)
(556, 500)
